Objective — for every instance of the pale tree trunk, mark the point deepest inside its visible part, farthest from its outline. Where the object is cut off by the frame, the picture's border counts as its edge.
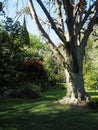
(74, 80)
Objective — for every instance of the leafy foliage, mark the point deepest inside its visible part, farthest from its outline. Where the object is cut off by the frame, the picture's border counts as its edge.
(35, 42)
(50, 66)
(54, 69)
(91, 65)
(28, 90)
(25, 40)
(17, 63)
(93, 103)
(11, 56)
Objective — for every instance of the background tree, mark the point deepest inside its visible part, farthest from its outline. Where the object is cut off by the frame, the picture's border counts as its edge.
(25, 40)
(54, 69)
(21, 67)
(78, 17)
(91, 64)
(11, 53)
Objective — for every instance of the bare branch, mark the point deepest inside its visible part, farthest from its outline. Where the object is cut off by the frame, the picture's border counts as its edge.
(86, 16)
(87, 33)
(57, 53)
(60, 17)
(69, 15)
(62, 37)
(44, 21)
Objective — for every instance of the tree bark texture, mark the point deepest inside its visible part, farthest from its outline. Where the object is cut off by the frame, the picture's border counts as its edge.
(74, 78)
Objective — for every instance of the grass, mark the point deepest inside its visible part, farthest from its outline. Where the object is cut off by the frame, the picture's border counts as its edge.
(93, 93)
(43, 114)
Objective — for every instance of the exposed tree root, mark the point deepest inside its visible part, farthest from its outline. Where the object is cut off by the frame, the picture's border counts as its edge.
(73, 101)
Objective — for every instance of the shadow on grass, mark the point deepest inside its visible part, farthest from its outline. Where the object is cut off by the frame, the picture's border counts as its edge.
(42, 114)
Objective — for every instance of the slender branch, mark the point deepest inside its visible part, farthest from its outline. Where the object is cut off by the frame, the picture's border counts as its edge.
(44, 21)
(60, 17)
(87, 33)
(90, 26)
(57, 53)
(69, 15)
(86, 17)
(19, 15)
(62, 37)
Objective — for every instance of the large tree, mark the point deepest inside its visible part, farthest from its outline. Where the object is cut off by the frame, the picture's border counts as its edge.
(73, 23)
(79, 17)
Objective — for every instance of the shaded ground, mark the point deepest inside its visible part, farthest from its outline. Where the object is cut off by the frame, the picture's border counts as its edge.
(43, 114)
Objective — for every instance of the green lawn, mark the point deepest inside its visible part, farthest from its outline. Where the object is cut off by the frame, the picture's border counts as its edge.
(43, 114)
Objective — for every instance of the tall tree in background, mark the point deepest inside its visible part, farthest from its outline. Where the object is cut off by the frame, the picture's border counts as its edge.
(24, 34)
(91, 64)
(79, 17)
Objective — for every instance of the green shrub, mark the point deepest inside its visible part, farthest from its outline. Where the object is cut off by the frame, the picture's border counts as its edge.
(93, 103)
(58, 86)
(90, 79)
(28, 90)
